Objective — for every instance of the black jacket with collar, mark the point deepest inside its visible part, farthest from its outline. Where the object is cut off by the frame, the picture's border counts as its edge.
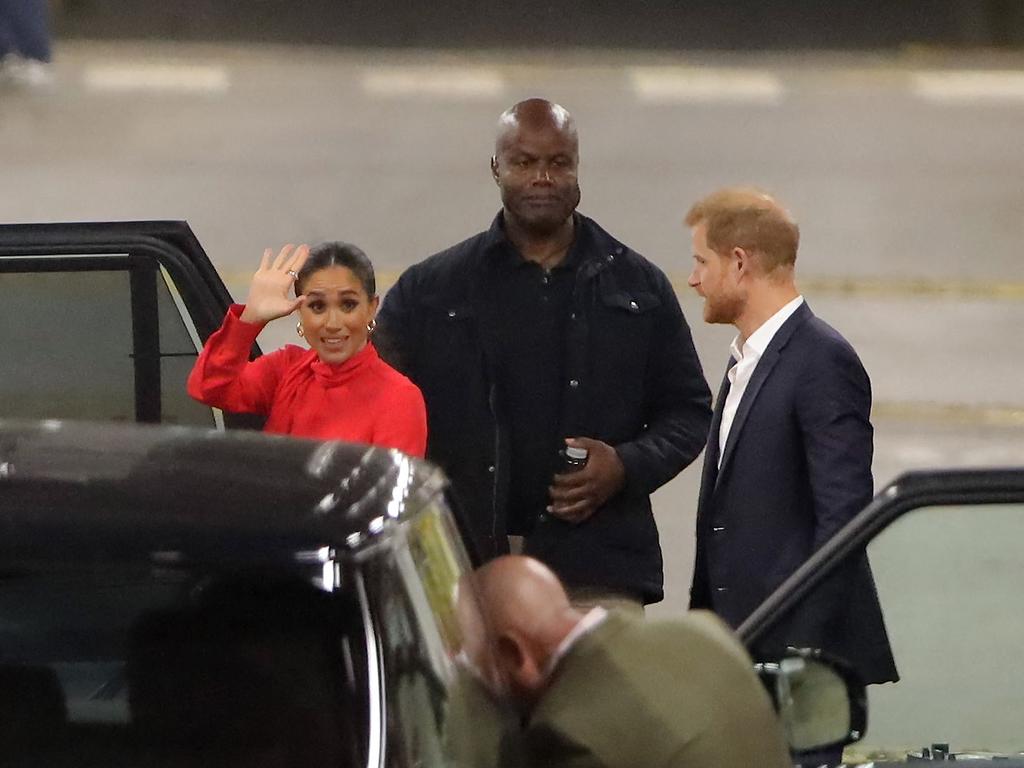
(632, 380)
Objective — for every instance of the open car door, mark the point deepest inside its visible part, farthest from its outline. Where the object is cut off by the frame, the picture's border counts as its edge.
(944, 547)
(103, 322)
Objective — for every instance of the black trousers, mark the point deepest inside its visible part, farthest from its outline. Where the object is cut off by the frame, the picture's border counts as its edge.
(25, 29)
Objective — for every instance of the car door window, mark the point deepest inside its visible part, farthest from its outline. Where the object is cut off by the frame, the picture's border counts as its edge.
(70, 345)
(96, 337)
(949, 579)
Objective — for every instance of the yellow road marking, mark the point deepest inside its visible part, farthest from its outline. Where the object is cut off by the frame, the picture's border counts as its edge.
(950, 413)
(917, 412)
(946, 289)
(883, 288)
(1002, 290)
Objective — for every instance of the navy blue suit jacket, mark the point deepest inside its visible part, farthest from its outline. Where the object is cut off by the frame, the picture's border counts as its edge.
(795, 469)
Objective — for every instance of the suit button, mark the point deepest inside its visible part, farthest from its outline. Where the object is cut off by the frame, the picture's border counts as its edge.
(491, 469)
(721, 590)
(718, 528)
(574, 383)
(451, 313)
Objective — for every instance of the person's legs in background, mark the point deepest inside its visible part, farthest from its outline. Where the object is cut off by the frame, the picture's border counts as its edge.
(25, 49)
(26, 26)
(7, 41)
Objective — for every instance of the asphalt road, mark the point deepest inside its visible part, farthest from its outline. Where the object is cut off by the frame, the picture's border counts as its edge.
(904, 171)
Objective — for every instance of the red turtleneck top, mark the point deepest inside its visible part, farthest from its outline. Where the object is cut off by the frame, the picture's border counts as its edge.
(362, 400)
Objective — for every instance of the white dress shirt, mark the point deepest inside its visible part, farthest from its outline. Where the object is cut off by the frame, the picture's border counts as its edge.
(746, 361)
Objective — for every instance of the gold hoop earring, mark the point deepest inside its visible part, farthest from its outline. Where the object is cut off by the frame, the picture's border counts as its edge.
(371, 326)
(298, 329)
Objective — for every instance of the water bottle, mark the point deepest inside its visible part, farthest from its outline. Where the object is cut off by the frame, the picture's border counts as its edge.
(573, 460)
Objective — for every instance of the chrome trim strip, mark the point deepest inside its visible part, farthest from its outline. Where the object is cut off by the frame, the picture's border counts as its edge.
(375, 681)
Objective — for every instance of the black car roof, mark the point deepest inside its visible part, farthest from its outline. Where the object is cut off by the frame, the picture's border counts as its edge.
(160, 486)
(60, 232)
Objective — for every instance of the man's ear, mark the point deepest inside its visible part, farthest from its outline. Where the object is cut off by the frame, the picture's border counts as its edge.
(741, 258)
(511, 655)
(494, 168)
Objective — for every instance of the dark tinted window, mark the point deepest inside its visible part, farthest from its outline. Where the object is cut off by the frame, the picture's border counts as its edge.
(71, 350)
(67, 345)
(167, 665)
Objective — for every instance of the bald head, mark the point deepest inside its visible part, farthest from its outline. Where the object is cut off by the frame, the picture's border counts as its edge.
(528, 614)
(534, 115)
(535, 163)
(523, 594)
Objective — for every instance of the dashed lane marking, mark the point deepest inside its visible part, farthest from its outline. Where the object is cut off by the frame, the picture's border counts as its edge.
(135, 77)
(681, 85)
(956, 87)
(434, 82)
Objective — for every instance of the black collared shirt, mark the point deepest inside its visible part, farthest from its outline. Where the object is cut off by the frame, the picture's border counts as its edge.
(533, 306)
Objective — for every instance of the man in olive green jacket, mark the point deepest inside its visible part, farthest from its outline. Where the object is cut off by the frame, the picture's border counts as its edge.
(605, 689)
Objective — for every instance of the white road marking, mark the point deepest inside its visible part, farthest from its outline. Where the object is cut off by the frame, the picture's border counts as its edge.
(435, 82)
(680, 85)
(183, 78)
(969, 86)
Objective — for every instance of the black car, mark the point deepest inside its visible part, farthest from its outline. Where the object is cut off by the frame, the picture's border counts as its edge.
(173, 596)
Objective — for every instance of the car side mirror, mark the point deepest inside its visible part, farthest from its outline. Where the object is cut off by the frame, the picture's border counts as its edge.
(820, 700)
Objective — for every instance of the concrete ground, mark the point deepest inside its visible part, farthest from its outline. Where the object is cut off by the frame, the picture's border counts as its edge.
(905, 172)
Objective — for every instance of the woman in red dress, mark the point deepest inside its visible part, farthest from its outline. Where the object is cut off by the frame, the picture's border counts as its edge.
(339, 388)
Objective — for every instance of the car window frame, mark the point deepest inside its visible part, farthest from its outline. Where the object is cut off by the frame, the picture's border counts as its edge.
(141, 248)
(909, 492)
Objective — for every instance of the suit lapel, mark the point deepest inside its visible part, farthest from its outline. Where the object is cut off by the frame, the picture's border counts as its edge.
(709, 475)
(757, 380)
(760, 376)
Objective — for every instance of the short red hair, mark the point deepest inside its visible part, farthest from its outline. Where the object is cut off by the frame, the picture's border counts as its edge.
(748, 218)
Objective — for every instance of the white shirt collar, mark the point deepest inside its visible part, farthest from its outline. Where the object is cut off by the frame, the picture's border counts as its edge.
(762, 337)
(584, 627)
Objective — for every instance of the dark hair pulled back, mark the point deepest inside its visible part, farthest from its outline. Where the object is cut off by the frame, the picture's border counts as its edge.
(338, 254)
